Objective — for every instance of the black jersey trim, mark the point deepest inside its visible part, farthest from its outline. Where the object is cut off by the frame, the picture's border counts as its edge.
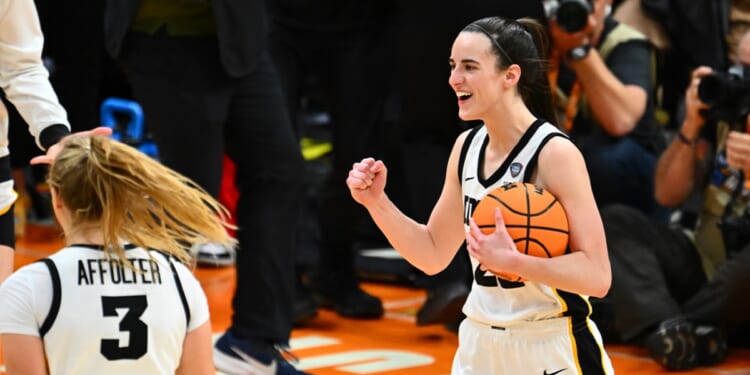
(180, 290)
(54, 308)
(127, 246)
(491, 180)
(535, 158)
(464, 151)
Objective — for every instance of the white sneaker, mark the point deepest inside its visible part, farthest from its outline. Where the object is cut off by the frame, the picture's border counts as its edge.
(213, 254)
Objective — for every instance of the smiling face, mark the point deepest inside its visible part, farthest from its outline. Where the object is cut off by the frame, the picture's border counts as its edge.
(474, 77)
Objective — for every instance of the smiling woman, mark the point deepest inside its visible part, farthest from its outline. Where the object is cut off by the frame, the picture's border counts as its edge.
(499, 75)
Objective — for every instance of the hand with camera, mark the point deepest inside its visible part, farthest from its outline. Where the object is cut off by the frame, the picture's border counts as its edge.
(570, 23)
(571, 45)
(694, 107)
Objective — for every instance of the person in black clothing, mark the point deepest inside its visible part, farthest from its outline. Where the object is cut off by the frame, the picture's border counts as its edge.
(343, 44)
(207, 85)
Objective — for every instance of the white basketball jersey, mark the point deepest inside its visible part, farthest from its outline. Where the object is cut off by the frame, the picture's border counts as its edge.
(494, 301)
(96, 316)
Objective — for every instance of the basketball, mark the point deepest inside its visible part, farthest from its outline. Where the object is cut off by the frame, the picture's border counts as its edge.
(535, 220)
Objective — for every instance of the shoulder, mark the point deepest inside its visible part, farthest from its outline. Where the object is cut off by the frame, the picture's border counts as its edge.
(559, 159)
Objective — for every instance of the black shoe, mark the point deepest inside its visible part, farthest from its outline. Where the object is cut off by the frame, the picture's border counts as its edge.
(443, 305)
(351, 302)
(673, 345)
(710, 345)
(305, 307)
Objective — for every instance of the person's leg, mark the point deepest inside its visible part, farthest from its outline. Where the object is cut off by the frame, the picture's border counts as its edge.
(292, 54)
(621, 171)
(654, 269)
(261, 141)
(184, 93)
(722, 301)
(356, 86)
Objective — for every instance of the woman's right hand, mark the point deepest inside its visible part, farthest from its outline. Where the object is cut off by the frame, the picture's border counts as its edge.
(366, 180)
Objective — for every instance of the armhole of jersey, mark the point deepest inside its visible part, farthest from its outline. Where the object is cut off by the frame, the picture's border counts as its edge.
(532, 162)
(464, 151)
(56, 297)
(180, 290)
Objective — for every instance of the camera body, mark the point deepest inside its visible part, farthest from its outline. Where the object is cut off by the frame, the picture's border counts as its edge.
(571, 15)
(727, 94)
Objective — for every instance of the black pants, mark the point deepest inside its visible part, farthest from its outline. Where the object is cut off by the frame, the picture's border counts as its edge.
(354, 85)
(657, 274)
(196, 113)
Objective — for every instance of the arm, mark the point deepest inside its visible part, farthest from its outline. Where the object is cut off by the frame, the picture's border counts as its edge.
(197, 355)
(617, 107)
(429, 247)
(675, 169)
(586, 270)
(6, 262)
(24, 78)
(23, 354)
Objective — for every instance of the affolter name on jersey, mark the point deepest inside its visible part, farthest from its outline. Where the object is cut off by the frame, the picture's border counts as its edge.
(113, 271)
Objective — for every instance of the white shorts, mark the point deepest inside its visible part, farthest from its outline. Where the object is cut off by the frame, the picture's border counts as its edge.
(545, 347)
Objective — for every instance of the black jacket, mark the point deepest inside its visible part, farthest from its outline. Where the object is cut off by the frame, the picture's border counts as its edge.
(240, 28)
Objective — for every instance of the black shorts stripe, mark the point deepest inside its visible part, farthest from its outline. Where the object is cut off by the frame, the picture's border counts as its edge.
(54, 308)
(589, 353)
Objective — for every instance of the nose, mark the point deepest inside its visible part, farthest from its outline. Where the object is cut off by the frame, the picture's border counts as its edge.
(455, 78)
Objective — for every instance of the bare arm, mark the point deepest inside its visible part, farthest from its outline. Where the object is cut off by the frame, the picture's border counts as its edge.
(617, 107)
(23, 354)
(675, 169)
(586, 270)
(428, 247)
(197, 353)
(6, 262)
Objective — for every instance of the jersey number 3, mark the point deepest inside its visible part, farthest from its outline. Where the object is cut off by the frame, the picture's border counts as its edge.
(131, 323)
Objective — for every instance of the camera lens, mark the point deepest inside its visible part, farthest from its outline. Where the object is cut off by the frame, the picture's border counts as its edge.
(572, 15)
(712, 89)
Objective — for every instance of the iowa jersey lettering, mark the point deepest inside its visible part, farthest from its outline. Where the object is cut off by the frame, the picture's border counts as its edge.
(469, 205)
(112, 271)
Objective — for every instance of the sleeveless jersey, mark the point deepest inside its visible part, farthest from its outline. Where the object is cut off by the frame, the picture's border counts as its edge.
(494, 301)
(96, 316)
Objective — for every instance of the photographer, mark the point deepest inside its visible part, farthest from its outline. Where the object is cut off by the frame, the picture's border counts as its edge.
(606, 83)
(677, 291)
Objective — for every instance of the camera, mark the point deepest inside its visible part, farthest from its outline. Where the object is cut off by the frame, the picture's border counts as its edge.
(727, 94)
(571, 15)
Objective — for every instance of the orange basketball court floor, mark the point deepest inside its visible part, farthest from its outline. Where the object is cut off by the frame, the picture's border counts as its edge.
(393, 345)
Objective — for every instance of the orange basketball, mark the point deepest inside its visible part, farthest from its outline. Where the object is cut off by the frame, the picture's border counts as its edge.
(535, 220)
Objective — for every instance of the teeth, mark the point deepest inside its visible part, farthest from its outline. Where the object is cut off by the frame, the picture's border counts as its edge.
(462, 93)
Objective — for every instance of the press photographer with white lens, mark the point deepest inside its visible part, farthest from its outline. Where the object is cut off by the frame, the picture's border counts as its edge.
(606, 83)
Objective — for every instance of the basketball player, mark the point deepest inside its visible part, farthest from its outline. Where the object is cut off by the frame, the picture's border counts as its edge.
(540, 326)
(118, 298)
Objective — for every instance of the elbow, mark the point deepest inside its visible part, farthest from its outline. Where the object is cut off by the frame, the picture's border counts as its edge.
(601, 288)
(621, 127)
